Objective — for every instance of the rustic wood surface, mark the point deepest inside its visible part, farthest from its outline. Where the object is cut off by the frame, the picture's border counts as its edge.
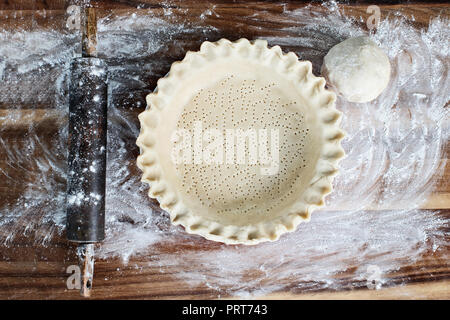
(28, 271)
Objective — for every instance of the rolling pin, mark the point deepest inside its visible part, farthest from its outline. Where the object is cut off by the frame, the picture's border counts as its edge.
(87, 150)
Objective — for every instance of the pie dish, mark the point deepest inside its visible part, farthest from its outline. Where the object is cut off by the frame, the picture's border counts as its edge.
(240, 142)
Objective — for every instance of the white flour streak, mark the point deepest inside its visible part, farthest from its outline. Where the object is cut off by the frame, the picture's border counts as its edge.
(139, 35)
(393, 150)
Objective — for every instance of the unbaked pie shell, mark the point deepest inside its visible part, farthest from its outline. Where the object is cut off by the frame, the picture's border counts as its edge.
(234, 79)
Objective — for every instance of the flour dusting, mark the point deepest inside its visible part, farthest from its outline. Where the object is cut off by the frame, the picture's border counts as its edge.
(393, 145)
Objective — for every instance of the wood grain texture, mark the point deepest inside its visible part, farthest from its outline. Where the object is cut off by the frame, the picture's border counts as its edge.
(30, 271)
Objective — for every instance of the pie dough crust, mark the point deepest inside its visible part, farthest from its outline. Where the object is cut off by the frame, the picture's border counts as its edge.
(239, 84)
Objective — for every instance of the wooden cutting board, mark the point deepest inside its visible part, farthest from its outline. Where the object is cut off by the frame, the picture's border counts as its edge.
(28, 271)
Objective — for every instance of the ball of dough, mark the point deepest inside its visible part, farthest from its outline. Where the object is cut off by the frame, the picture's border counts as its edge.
(357, 68)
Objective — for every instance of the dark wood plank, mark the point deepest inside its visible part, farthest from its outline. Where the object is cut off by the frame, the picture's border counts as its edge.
(30, 270)
(43, 275)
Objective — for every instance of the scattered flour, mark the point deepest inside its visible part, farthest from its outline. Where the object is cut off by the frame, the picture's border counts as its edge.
(389, 161)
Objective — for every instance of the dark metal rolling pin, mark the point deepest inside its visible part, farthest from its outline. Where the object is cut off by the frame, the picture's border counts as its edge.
(87, 151)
